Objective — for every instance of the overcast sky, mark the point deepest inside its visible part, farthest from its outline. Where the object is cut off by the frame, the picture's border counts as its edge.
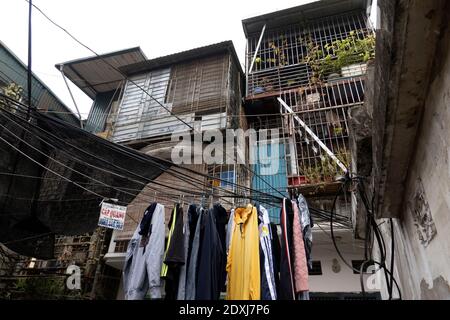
(159, 27)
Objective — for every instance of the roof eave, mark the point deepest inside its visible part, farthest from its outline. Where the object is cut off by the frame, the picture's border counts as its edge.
(322, 8)
(188, 55)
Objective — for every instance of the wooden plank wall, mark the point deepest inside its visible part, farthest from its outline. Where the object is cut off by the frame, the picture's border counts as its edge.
(199, 86)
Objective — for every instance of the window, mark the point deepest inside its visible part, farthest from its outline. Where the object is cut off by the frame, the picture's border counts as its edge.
(356, 264)
(227, 179)
(121, 245)
(222, 176)
(316, 269)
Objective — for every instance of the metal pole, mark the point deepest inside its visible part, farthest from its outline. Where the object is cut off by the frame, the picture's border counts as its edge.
(71, 95)
(313, 135)
(29, 75)
(257, 48)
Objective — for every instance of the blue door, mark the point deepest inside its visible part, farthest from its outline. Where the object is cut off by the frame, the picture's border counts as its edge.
(268, 176)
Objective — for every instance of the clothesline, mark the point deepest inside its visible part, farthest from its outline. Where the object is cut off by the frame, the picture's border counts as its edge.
(239, 253)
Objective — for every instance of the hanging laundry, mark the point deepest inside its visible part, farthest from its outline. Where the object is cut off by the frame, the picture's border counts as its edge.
(191, 274)
(210, 261)
(299, 254)
(243, 258)
(230, 228)
(221, 219)
(143, 261)
(146, 221)
(307, 224)
(189, 233)
(287, 289)
(182, 283)
(174, 256)
(193, 215)
(276, 256)
(268, 287)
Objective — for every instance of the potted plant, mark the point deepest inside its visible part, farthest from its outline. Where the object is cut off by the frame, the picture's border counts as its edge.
(346, 57)
(350, 55)
(327, 168)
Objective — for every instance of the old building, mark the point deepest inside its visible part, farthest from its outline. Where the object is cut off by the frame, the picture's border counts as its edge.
(13, 70)
(351, 114)
(141, 103)
(305, 69)
(403, 145)
(14, 268)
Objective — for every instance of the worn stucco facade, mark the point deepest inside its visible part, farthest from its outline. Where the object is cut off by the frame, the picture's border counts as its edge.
(422, 234)
(407, 117)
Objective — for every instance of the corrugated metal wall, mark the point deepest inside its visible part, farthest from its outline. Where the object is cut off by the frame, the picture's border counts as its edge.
(213, 121)
(12, 70)
(140, 116)
(266, 182)
(99, 111)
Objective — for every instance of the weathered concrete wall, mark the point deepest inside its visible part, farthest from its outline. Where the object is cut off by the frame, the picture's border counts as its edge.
(405, 72)
(422, 237)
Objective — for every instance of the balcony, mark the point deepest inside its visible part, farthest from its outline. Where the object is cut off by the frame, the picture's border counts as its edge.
(302, 55)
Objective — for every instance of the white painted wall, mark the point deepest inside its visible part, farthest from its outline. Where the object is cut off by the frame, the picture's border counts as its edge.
(344, 280)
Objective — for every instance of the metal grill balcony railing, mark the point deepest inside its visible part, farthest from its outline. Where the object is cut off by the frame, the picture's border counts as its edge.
(282, 61)
(324, 109)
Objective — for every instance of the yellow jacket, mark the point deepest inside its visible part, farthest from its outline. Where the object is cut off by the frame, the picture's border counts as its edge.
(243, 257)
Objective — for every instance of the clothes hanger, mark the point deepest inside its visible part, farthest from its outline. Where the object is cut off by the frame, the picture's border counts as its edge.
(202, 203)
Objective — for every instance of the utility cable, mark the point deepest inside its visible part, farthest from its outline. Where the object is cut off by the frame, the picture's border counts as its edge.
(99, 168)
(258, 192)
(61, 176)
(138, 86)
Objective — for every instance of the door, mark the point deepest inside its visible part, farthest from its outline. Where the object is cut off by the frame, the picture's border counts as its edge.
(270, 174)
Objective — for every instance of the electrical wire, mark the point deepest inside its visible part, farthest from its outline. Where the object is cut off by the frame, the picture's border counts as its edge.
(28, 238)
(50, 170)
(81, 150)
(109, 64)
(371, 225)
(134, 195)
(138, 86)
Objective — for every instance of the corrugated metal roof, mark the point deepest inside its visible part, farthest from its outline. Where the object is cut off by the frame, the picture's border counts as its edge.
(225, 46)
(95, 75)
(303, 13)
(96, 120)
(12, 69)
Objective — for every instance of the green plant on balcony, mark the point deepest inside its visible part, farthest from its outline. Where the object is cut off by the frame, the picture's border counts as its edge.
(313, 174)
(278, 52)
(344, 156)
(41, 288)
(315, 61)
(329, 167)
(355, 48)
(338, 131)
